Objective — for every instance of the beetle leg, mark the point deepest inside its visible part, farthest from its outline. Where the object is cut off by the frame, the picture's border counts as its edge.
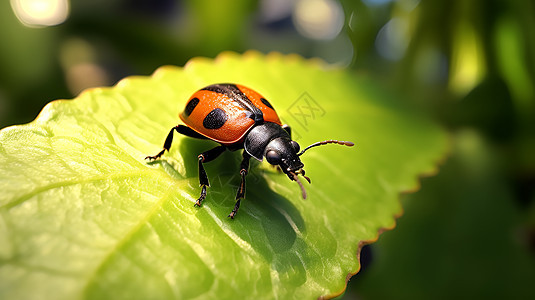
(203, 178)
(166, 145)
(185, 130)
(169, 140)
(244, 169)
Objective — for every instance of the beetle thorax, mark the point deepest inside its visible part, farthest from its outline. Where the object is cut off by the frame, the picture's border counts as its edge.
(266, 137)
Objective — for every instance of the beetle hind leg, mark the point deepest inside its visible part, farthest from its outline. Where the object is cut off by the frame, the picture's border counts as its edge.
(169, 140)
(166, 145)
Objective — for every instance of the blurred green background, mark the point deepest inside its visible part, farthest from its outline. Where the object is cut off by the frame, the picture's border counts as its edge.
(468, 233)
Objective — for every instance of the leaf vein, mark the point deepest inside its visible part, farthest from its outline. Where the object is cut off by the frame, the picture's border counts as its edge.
(110, 176)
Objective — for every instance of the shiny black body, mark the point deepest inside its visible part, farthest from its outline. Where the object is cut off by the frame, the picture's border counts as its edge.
(273, 142)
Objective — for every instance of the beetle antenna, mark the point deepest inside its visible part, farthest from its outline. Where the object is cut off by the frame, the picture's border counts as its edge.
(345, 143)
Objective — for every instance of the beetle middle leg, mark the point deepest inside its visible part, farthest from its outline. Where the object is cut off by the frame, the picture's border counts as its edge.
(203, 178)
(244, 169)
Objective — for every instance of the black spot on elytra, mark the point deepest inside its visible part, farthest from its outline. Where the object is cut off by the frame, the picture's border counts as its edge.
(215, 119)
(266, 103)
(191, 106)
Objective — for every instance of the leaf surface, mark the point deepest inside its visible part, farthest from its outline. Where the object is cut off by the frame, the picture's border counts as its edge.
(84, 216)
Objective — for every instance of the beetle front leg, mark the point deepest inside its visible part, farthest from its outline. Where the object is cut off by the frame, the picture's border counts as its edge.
(203, 178)
(244, 169)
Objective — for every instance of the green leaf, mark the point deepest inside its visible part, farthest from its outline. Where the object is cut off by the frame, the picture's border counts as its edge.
(84, 216)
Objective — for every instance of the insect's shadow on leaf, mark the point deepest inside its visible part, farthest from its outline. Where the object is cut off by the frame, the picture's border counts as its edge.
(268, 221)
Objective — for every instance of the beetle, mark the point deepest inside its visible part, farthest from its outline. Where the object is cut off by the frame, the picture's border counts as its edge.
(238, 117)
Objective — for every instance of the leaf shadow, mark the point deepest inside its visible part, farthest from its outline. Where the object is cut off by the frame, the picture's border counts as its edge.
(269, 222)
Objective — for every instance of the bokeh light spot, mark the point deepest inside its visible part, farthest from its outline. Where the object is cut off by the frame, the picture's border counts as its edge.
(38, 13)
(318, 19)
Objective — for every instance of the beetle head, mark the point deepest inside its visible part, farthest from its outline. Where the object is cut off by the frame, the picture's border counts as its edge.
(283, 152)
(271, 141)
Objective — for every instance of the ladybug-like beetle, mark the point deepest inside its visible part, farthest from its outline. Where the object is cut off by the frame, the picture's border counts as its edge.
(238, 117)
